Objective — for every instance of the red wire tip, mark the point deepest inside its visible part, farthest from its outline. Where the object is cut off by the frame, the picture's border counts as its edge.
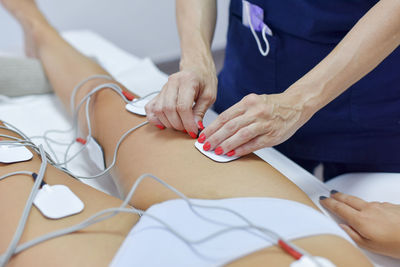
(81, 140)
(128, 95)
(286, 247)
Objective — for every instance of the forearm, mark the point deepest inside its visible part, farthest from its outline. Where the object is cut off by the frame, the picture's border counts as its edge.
(370, 41)
(196, 24)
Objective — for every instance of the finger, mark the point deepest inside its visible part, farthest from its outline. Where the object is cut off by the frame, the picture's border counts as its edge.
(251, 146)
(357, 237)
(231, 128)
(342, 210)
(204, 101)
(170, 98)
(186, 95)
(229, 114)
(352, 201)
(151, 117)
(241, 137)
(158, 110)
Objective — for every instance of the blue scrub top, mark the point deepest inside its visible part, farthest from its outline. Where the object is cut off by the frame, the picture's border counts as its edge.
(360, 126)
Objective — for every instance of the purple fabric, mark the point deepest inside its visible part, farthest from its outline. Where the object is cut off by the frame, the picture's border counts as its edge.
(256, 16)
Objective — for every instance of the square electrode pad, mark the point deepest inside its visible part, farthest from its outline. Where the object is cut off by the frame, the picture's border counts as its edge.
(212, 155)
(57, 201)
(13, 154)
(136, 106)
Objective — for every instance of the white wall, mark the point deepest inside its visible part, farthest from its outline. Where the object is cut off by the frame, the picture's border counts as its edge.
(146, 28)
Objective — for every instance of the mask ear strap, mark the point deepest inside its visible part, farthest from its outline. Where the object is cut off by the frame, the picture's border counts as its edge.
(264, 32)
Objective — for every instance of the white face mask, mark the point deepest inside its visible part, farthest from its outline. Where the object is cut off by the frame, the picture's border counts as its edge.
(253, 17)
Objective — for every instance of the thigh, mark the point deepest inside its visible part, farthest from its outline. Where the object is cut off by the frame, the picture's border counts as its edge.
(336, 249)
(93, 246)
(171, 155)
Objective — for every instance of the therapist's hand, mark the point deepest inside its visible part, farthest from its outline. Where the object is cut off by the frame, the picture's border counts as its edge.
(257, 121)
(184, 99)
(372, 225)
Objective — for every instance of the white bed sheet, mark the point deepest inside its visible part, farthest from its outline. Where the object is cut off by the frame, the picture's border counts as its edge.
(35, 114)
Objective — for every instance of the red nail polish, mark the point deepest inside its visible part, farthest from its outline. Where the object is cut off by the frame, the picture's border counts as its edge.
(207, 146)
(202, 138)
(193, 135)
(184, 131)
(231, 153)
(219, 151)
(160, 127)
(81, 140)
(200, 124)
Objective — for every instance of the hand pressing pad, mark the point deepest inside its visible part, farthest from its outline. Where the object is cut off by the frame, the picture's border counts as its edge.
(13, 154)
(57, 201)
(212, 155)
(136, 106)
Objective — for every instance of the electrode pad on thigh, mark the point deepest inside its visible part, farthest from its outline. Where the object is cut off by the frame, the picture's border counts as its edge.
(136, 106)
(212, 155)
(96, 153)
(57, 201)
(14, 154)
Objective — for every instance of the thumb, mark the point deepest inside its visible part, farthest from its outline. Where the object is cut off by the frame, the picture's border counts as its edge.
(200, 108)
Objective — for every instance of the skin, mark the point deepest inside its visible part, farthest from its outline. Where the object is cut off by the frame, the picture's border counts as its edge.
(259, 121)
(373, 225)
(196, 82)
(147, 150)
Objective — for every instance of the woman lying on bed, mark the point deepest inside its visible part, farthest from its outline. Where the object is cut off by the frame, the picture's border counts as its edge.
(167, 154)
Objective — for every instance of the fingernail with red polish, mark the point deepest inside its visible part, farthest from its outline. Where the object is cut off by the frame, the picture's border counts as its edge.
(231, 153)
(219, 151)
(202, 138)
(160, 127)
(207, 146)
(200, 124)
(193, 135)
(184, 131)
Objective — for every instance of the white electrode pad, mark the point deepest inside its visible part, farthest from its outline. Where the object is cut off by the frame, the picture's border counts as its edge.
(137, 105)
(96, 153)
(212, 155)
(306, 261)
(13, 154)
(57, 201)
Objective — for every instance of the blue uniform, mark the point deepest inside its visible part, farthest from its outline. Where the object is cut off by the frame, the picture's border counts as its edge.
(361, 126)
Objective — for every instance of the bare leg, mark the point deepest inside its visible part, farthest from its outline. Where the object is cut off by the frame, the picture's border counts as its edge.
(94, 246)
(170, 154)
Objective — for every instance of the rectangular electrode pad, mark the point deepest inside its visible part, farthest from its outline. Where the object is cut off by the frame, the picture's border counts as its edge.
(137, 105)
(96, 153)
(14, 154)
(57, 201)
(212, 155)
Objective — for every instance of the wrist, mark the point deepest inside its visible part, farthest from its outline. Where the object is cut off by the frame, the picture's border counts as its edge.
(305, 97)
(198, 61)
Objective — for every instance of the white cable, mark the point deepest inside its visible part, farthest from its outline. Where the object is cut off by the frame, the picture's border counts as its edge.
(28, 206)
(102, 215)
(266, 52)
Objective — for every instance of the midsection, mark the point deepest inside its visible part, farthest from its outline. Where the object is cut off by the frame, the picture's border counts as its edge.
(238, 239)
